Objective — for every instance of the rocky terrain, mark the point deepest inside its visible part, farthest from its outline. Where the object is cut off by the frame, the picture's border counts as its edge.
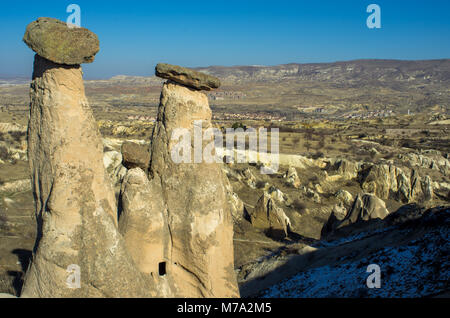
(320, 217)
(103, 192)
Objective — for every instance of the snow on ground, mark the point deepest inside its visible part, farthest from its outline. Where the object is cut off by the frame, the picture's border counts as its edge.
(420, 268)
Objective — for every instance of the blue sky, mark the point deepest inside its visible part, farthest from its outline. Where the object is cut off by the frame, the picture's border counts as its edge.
(135, 35)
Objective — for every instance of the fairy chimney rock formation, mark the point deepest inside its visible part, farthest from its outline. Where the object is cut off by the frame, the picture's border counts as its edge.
(201, 257)
(170, 234)
(78, 251)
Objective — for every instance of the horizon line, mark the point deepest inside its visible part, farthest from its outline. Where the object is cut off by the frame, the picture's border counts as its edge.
(22, 76)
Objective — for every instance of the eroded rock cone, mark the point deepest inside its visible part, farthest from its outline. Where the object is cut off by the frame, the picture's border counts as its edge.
(366, 207)
(269, 217)
(292, 177)
(200, 258)
(390, 182)
(75, 205)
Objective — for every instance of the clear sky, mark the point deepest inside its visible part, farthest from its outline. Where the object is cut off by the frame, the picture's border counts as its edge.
(135, 35)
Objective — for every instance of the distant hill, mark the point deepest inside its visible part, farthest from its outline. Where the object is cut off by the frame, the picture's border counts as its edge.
(360, 85)
(6, 81)
(427, 71)
(357, 71)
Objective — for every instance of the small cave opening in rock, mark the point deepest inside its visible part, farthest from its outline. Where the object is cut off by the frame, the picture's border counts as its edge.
(162, 269)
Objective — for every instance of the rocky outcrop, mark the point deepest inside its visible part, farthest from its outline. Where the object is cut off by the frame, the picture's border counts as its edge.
(292, 178)
(391, 182)
(75, 204)
(366, 207)
(112, 160)
(269, 217)
(338, 214)
(237, 205)
(15, 186)
(442, 189)
(54, 40)
(8, 128)
(248, 177)
(135, 156)
(345, 197)
(200, 257)
(432, 161)
(187, 77)
(347, 169)
(312, 194)
(277, 195)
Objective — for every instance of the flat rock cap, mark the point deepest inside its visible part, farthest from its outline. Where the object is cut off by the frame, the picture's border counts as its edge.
(54, 40)
(187, 77)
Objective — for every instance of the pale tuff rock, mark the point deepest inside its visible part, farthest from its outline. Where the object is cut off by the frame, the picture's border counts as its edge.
(347, 169)
(338, 214)
(200, 259)
(112, 160)
(277, 195)
(143, 225)
(8, 128)
(441, 189)
(269, 217)
(312, 195)
(365, 208)
(434, 161)
(318, 188)
(55, 41)
(187, 77)
(75, 204)
(237, 205)
(15, 153)
(248, 177)
(292, 178)
(427, 187)
(16, 186)
(112, 144)
(175, 235)
(345, 197)
(387, 181)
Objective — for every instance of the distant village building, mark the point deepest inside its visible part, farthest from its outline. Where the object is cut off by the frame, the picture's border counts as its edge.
(142, 118)
(222, 95)
(259, 116)
(371, 114)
